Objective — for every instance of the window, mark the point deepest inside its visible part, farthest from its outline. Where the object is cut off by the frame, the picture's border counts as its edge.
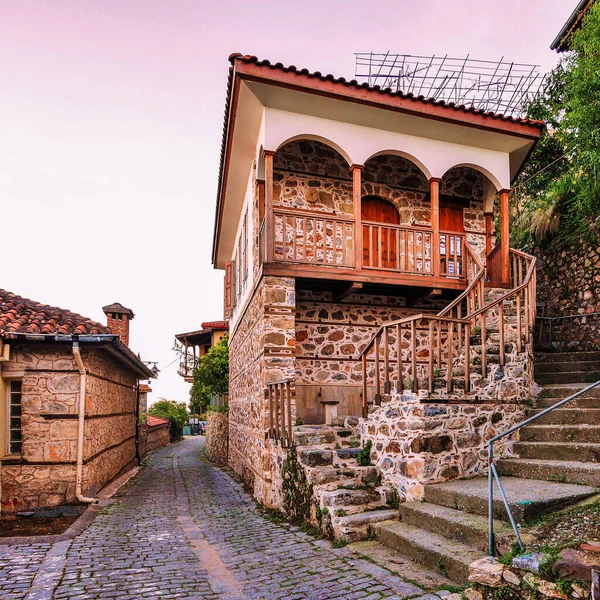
(15, 434)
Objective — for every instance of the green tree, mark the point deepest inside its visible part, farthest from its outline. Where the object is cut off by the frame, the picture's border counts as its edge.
(211, 377)
(560, 186)
(176, 412)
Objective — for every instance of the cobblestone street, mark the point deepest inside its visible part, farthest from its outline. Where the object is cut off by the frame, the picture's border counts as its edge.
(184, 529)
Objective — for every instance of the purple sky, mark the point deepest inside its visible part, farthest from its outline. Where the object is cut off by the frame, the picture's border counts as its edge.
(110, 128)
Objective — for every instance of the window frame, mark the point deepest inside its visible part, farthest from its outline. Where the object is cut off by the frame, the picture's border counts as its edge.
(9, 416)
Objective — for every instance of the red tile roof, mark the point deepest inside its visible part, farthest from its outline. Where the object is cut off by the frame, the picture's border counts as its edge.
(21, 315)
(156, 421)
(215, 325)
(145, 388)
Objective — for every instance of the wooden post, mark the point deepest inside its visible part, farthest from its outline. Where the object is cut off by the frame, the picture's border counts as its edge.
(356, 200)
(413, 346)
(270, 225)
(431, 350)
(488, 234)
(434, 189)
(365, 407)
(504, 232)
(377, 380)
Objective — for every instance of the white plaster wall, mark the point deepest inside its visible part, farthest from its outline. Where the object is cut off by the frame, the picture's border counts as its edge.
(357, 144)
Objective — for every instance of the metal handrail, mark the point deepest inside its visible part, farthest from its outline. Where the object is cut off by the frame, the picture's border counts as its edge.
(493, 473)
(558, 318)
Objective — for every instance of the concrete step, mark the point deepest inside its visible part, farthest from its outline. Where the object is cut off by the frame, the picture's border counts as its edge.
(566, 367)
(561, 433)
(560, 391)
(526, 499)
(458, 525)
(580, 402)
(563, 471)
(352, 528)
(449, 557)
(584, 452)
(572, 377)
(561, 357)
(568, 416)
(351, 500)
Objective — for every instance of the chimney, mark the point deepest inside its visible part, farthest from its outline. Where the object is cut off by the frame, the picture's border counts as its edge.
(117, 320)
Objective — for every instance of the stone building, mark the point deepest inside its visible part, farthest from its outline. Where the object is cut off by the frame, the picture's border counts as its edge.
(55, 449)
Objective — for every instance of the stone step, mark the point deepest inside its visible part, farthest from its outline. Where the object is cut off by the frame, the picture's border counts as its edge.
(449, 557)
(314, 435)
(351, 500)
(315, 457)
(348, 454)
(561, 433)
(458, 525)
(353, 528)
(568, 416)
(526, 499)
(572, 377)
(562, 471)
(584, 452)
(561, 391)
(583, 401)
(562, 357)
(566, 367)
(328, 475)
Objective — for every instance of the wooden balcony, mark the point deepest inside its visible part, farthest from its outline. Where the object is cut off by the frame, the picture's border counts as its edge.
(326, 246)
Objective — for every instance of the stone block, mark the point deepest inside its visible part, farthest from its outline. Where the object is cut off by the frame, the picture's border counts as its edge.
(487, 571)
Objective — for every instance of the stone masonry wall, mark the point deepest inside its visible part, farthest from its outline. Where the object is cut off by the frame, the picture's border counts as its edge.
(262, 351)
(417, 443)
(217, 435)
(568, 283)
(45, 473)
(158, 437)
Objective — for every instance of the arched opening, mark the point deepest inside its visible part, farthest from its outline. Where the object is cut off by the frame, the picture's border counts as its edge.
(380, 244)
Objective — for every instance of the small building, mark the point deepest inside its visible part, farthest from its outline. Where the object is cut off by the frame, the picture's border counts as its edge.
(55, 449)
(195, 344)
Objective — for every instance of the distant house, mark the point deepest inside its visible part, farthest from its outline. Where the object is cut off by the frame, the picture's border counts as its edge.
(54, 449)
(195, 344)
(561, 41)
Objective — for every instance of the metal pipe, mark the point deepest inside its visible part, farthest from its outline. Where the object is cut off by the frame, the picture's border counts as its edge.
(80, 428)
(504, 499)
(491, 549)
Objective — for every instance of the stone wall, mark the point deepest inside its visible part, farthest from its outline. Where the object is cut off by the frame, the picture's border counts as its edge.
(416, 443)
(568, 283)
(217, 436)
(158, 437)
(45, 473)
(261, 351)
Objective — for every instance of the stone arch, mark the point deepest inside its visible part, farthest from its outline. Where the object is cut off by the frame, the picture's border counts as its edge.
(490, 184)
(317, 138)
(409, 157)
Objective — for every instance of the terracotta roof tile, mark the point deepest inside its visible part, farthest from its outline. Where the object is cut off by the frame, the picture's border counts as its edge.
(144, 387)
(21, 315)
(154, 421)
(215, 325)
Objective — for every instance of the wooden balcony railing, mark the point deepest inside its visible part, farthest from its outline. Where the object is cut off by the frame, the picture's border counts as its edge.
(396, 248)
(452, 252)
(494, 265)
(280, 395)
(305, 237)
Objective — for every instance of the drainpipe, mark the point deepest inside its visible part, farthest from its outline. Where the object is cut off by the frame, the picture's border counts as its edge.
(81, 423)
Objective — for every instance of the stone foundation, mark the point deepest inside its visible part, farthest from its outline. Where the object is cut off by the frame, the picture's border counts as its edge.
(415, 443)
(217, 436)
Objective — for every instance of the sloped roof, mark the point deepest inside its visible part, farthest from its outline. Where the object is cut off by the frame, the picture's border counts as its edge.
(22, 315)
(561, 41)
(156, 421)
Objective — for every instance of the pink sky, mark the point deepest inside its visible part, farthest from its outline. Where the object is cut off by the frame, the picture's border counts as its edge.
(110, 129)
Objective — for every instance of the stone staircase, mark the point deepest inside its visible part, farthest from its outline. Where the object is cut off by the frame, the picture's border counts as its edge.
(559, 456)
(348, 495)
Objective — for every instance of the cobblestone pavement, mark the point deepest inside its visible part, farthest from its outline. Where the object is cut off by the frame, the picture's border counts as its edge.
(185, 529)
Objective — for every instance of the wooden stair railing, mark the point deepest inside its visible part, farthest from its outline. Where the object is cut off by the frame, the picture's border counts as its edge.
(280, 395)
(447, 335)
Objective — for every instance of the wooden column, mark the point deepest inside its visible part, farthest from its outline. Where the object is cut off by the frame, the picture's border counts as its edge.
(504, 233)
(356, 200)
(434, 193)
(270, 224)
(488, 234)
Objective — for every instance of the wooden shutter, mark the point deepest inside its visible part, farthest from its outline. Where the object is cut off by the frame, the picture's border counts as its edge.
(228, 292)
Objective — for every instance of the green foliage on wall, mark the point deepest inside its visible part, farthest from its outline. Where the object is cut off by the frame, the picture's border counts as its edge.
(176, 412)
(297, 491)
(559, 189)
(211, 376)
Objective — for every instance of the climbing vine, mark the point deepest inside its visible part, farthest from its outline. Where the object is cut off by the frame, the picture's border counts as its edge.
(297, 491)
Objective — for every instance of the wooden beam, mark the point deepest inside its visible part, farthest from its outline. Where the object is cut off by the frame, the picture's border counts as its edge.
(347, 290)
(488, 234)
(270, 228)
(356, 171)
(505, 236)
(434, 189)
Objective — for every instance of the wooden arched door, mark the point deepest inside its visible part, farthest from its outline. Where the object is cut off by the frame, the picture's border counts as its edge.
(380, 243)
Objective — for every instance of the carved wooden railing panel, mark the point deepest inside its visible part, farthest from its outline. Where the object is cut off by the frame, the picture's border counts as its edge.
(396, 248)
(452, 252)
(312, 238)
(280, 396)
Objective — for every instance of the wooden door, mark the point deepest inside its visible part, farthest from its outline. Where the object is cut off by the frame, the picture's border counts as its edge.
(380, 243)
(451, 250)
(451, 218)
